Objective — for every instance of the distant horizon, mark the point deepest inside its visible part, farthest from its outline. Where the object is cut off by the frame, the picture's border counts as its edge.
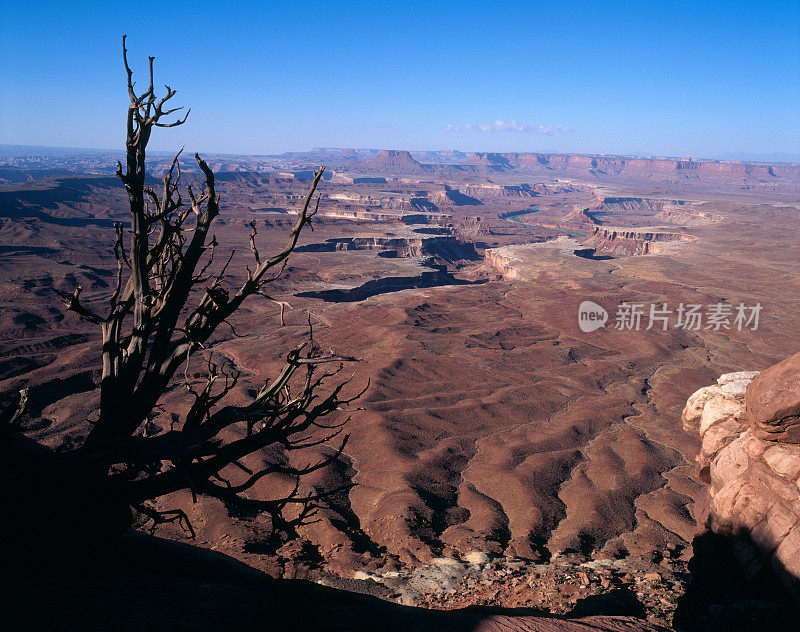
(776, 158)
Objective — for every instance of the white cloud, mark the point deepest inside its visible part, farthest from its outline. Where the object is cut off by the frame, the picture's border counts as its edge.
(508, 126)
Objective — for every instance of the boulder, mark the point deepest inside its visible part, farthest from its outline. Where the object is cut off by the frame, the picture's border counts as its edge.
(772, 402)
(695, 407)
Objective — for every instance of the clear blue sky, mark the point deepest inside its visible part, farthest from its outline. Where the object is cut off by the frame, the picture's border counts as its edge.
(669, 78)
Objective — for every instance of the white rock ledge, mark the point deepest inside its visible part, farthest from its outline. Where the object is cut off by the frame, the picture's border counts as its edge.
(754, 485)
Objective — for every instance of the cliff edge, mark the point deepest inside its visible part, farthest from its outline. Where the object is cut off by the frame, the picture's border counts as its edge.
(750, 457)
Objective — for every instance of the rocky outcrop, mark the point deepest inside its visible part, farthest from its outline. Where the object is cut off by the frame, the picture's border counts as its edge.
(343, 178)
(628, 241)
(561, 587)
(394, 161)
(502, 261)
(471, 228)
(753, 483)
(773, 402)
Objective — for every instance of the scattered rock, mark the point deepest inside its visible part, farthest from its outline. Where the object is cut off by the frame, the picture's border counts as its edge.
(442, 575)
(477, 558)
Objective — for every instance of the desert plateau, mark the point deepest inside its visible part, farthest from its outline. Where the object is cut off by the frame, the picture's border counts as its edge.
(513, 347)
(492, 426)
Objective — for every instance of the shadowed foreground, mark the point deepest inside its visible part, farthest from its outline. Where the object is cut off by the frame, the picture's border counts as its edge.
(154, 584)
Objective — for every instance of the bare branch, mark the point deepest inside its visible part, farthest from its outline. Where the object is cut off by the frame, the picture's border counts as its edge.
(72, 302)
(168, 301)
(253, 233)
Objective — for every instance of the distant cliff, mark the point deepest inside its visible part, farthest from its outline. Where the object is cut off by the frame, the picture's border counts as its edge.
(395, 161)
(635, 167)
(742, 175)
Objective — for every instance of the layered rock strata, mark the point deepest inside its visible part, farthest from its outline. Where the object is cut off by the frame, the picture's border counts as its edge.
(753, 479)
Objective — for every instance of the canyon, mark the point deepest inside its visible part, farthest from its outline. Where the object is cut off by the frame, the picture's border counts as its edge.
(493, 427)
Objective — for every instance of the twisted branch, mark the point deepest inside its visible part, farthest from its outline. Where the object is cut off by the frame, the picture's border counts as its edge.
(154, 325)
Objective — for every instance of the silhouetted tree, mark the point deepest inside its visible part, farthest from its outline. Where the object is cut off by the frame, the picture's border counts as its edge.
(170, 297)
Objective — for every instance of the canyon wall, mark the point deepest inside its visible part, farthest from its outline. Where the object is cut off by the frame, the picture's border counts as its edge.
(623, 242)
(500, 260)
(756, 176)
(744, 175)
(636, 167)
(446, 246)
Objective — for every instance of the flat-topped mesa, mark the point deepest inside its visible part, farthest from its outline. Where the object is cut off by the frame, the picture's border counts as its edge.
(378, 200)
(638, 211)
(670, 169)
(643, 234)
(471, 228)
(385, 206)
(687, 217)
(630, 241)
(393, 160)
(501, 260)
(635, 205)
(490, 190)
(750, 458)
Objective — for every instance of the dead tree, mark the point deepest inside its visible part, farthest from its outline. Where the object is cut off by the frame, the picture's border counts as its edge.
(170, 297)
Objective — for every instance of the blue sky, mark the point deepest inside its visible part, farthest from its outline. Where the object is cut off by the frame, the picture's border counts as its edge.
(650, 78)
